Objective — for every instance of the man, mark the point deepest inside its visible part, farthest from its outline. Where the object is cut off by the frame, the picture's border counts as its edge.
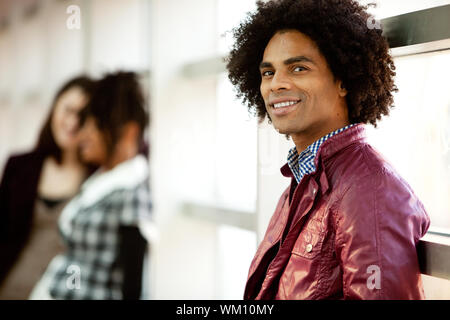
(348, 225)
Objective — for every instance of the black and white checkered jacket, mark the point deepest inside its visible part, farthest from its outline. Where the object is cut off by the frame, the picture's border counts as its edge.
(89, 225)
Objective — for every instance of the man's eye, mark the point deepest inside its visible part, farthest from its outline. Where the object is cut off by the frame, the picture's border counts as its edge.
(298, 69)
(267, 73)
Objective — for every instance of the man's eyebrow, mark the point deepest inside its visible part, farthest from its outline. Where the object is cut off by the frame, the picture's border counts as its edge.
(287, 61)
(265, 65)
(298, 59)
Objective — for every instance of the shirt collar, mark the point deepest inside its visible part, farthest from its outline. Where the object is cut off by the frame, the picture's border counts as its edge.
(305, 162)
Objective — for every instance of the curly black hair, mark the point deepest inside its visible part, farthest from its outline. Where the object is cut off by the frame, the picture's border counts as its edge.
(356, 52)
(117, 98)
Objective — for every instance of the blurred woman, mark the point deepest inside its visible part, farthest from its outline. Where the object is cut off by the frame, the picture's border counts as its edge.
(105, 249)
(34, 188)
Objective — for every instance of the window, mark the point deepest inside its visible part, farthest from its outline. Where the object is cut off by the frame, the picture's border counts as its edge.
(416, 135)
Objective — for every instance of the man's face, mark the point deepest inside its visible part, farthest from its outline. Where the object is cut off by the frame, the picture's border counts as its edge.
(298, 88)
(93, 147)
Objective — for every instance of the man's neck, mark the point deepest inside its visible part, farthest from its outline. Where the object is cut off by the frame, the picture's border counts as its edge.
(121, 156)
(305, 138)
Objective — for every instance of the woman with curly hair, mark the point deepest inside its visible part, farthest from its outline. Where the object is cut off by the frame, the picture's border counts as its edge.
(348, 225)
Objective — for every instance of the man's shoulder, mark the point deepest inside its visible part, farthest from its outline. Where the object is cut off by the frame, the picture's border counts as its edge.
(362, 164)
(372, 185)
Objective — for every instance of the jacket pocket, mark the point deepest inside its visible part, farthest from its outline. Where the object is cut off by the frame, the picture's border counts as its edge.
(308, 244)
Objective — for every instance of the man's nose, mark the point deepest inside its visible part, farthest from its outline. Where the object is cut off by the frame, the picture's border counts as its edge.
(280, 81)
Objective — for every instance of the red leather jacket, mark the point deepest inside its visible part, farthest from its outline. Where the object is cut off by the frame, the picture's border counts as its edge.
(349, 230)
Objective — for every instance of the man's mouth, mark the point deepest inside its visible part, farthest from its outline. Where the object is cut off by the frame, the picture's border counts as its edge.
(285, 104)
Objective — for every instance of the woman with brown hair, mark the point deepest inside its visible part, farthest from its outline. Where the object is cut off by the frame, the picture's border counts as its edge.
(33, 190)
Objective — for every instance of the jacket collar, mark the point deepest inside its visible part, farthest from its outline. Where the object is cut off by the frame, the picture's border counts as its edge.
(126, 175)
(341, 141)
(331, 146)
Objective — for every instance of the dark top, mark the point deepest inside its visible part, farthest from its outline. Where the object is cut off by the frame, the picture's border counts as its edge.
(18, 190)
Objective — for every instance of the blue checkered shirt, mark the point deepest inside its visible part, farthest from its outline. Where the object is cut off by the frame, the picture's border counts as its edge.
(304, 163)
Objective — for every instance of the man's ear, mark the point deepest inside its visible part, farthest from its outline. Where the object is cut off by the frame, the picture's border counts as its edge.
(342, 91)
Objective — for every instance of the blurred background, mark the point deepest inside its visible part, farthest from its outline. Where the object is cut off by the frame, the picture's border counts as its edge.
(214, 171)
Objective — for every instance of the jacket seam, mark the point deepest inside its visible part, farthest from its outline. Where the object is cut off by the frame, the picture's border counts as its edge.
(377, 224)
(338, 240)
(322, 273)
(323, 282)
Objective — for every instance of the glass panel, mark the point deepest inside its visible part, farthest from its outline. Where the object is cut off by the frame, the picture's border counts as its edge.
(236, 151)
(228, 17)
(389, 8)
(236, 248)
(416, 135)
(436, 288)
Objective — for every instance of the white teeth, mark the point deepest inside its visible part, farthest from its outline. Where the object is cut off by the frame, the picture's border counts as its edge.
(284, 104)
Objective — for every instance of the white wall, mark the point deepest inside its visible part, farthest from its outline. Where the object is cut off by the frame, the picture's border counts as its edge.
(192, 153)
(203, 152)
(118, 35)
